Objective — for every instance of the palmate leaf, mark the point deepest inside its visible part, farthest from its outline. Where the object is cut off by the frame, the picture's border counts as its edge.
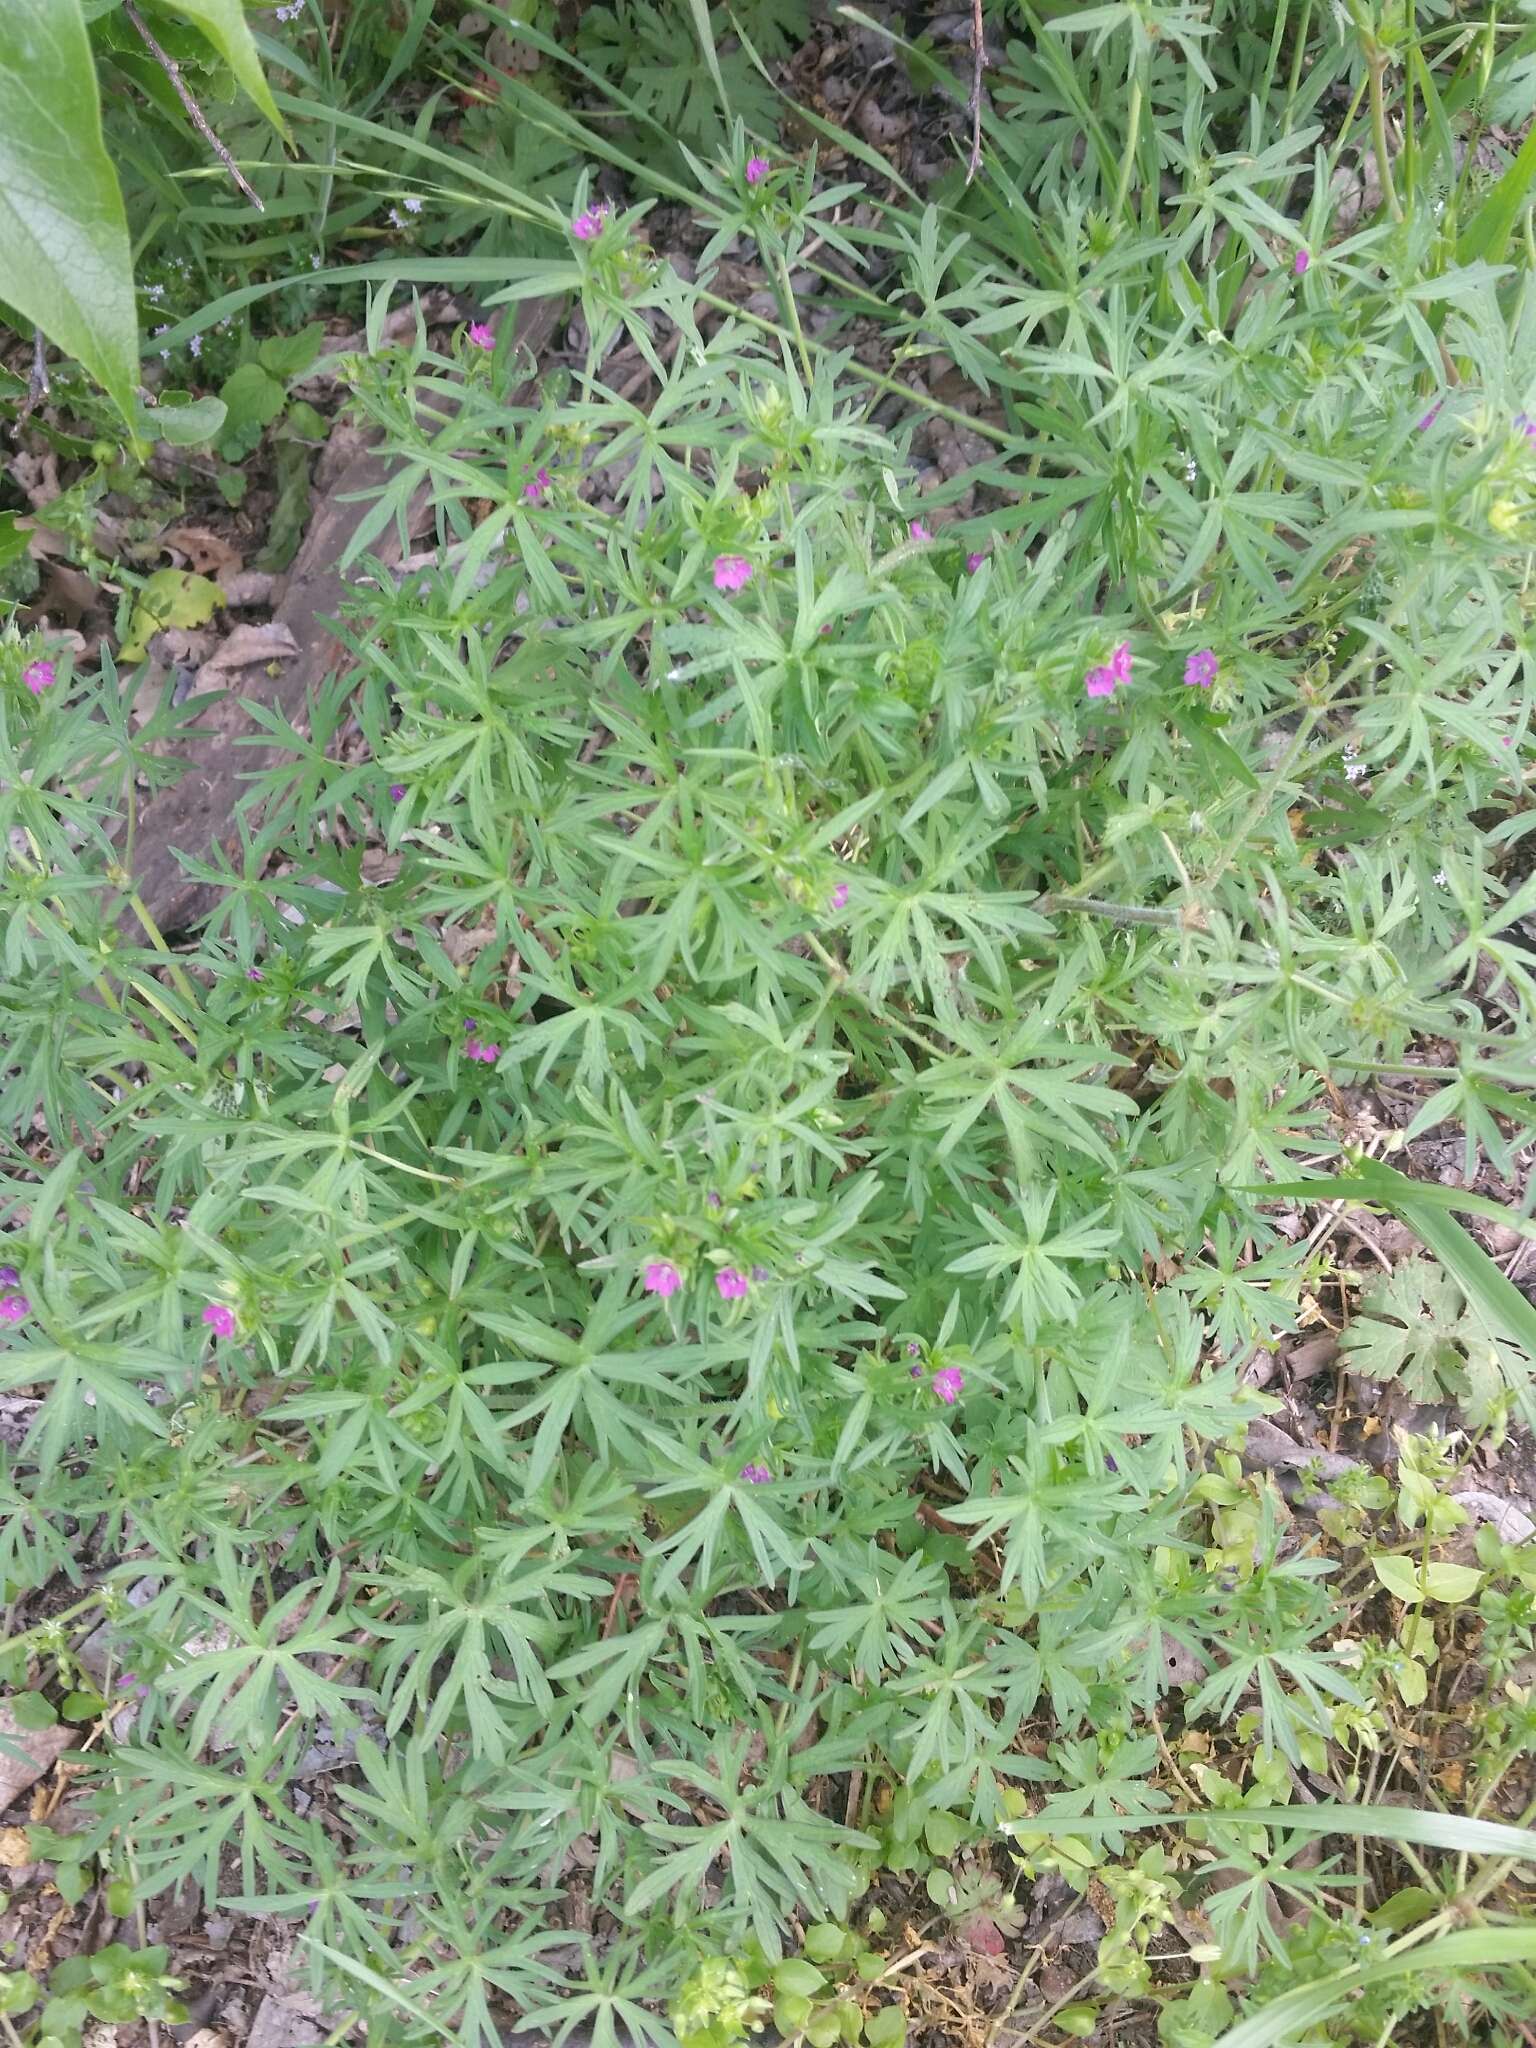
(771, 1849)
(244, 1689)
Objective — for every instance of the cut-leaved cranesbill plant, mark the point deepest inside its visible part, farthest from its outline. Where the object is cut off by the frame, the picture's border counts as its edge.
(660, 1298)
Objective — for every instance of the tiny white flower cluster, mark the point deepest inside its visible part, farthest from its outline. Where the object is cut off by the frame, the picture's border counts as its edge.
(1353, 768)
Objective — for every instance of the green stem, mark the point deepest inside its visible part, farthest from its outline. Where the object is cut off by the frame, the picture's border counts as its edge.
(1376, 60)
(793, 314)
(972, 422)
(1117, 913)
(1132, 138)
(156, 938)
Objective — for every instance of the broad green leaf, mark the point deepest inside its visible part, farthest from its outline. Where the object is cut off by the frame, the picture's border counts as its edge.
(183, 426)
(1451, 1582)
(1399, 1575)
(171, 597)
(223, 23)
(64, 257)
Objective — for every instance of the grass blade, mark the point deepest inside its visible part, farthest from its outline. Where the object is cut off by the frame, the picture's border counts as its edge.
(1285, 2019)
(1423, 1829)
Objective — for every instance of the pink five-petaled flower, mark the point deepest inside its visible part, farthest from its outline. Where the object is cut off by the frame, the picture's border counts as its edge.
(474, 1050)
(731, 1284)
(662, 1277)
(1101, 682)
(587, 226)
(13, 1307)
(481, 336)
(1303, 258)
(757, 169)
(538, 487)
(973, 563)
(917, 530)
(1200, 670)
(756, 1475)
(732, 572)
(840, 896)
(947, 1384)
(220, 1320)
(37, 676)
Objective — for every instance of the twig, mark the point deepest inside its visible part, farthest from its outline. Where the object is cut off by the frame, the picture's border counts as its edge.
(978, 66)
(195, 113)
(38, 386)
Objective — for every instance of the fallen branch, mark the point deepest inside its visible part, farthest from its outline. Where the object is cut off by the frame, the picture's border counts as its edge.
(195, 113)
(978, 66)
(38, 386)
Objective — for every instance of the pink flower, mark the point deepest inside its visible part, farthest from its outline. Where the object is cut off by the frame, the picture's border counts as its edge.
(481, 336)
(1120, 662)
(586, 227)
(1423, 425)
(254, 974)
(538, 488)
(947, 1384)
(840, 896)
(732, 572)
(662, 1277)
(756, 1475)
(757, 169)
(219, 1319)
(918, 531)
(1300, 265)
(9, 1277)
(731, 1284)
(1100, 682)
(38, 676)
(973, 563)
(475, 1050)
(396, 792)
(1200, 669)
(13, 1307)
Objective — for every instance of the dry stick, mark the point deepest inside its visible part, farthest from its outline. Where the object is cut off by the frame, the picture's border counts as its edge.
(978, 66)
(195, 114)
(38, 386)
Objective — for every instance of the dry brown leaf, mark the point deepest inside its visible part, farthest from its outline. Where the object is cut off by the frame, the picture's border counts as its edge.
(15, 1848)
(40, 1961)
(247, 647)
(207, 553)
(37, 1746)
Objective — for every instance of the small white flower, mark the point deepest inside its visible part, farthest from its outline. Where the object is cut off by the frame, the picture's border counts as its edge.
(1439, 878)
(196, 344)
(413, 206)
